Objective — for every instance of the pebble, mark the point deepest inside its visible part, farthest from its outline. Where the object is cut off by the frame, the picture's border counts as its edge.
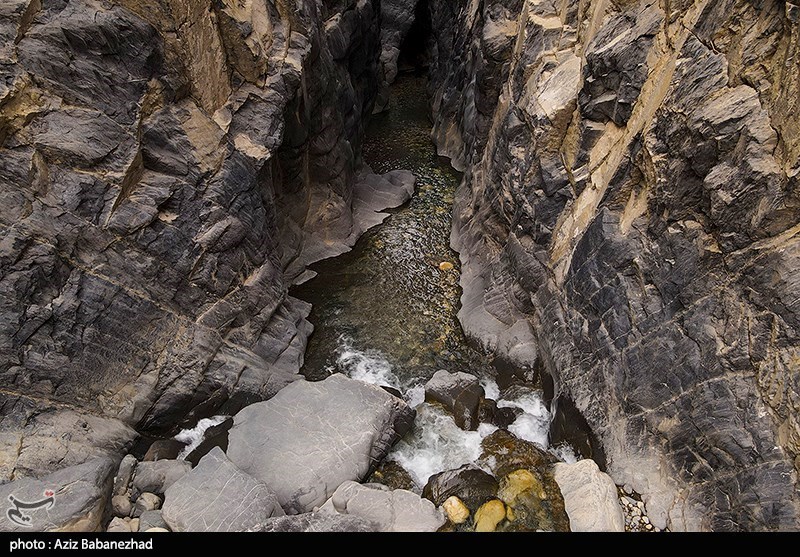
(636, 519)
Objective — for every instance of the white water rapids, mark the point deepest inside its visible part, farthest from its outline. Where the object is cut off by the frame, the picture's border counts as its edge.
(436, 443)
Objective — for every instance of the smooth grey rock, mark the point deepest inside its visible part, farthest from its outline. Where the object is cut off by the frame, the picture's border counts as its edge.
(309, 438)
(157, 476)
(395, 510)
(460, 393)
(122, 480)
(215, 496)
(317, 522)
(151, 519)
(590, 497)
(79, 494)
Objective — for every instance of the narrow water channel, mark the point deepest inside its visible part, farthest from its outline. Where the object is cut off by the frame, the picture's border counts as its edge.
(385, 312)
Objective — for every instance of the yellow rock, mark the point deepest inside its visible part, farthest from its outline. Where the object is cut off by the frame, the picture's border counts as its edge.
(517, 482)
(456, 510)
(489, 515)
(445, 266)
(510, 514)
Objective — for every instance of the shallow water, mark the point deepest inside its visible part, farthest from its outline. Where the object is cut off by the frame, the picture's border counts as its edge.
(386, 312)
(396, 293)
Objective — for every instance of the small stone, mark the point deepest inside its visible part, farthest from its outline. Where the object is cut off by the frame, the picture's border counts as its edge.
(648, 526)
(134, 525)
(456, 510)
(151, 519)
(645, 520)
(635, 511)
(640, 505)
(445, 266)
(146, 502)
(118, 525)
(489, 515)
(121, 505)
(156, 529)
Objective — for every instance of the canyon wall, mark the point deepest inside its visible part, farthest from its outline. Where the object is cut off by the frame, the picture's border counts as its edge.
(167, 170)
(628, 222)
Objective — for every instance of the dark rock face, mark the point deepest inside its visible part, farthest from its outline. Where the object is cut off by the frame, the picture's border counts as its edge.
(165, 170)
(397, 17)
(628, 221)
(470, 484)
(460, 393)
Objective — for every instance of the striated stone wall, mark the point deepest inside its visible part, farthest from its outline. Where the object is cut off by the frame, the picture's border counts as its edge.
(167, 169)
(628, 221)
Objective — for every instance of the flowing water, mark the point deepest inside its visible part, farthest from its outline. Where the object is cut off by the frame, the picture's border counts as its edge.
(385, 312)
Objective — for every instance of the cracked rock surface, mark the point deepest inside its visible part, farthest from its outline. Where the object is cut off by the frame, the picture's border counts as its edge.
(628, 222)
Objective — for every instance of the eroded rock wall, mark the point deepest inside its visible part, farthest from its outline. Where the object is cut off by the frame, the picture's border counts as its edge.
(163, 167)
(628, 221)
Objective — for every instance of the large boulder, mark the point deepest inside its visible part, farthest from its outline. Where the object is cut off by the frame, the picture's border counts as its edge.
(590, 497)
(215, 496)
(393, 510)
(73, 499)
(460, 393)
(311, 437)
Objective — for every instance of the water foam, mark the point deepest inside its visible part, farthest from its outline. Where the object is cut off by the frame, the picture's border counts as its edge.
(534, 423)
(369, 366)
(194, 436)
(436, 444)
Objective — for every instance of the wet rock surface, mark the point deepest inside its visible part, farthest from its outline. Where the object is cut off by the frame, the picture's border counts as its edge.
(460, 394)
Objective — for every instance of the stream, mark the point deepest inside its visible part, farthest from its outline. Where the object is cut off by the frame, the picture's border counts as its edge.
(385, 312)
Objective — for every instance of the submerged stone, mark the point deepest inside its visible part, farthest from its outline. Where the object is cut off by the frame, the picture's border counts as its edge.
(489, 515)
(457, 512)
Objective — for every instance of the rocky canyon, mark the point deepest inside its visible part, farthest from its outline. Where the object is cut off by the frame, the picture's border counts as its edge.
(627, 223)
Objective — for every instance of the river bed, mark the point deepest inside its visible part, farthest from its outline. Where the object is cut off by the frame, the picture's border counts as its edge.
(385, 312)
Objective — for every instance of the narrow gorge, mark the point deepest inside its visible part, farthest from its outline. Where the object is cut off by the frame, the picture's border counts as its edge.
(400, 265)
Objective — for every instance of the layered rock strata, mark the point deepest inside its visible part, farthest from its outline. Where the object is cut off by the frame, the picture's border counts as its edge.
(628, 223)
(167, 170)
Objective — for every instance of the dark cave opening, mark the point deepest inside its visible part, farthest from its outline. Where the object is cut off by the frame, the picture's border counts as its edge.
(415, 49)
